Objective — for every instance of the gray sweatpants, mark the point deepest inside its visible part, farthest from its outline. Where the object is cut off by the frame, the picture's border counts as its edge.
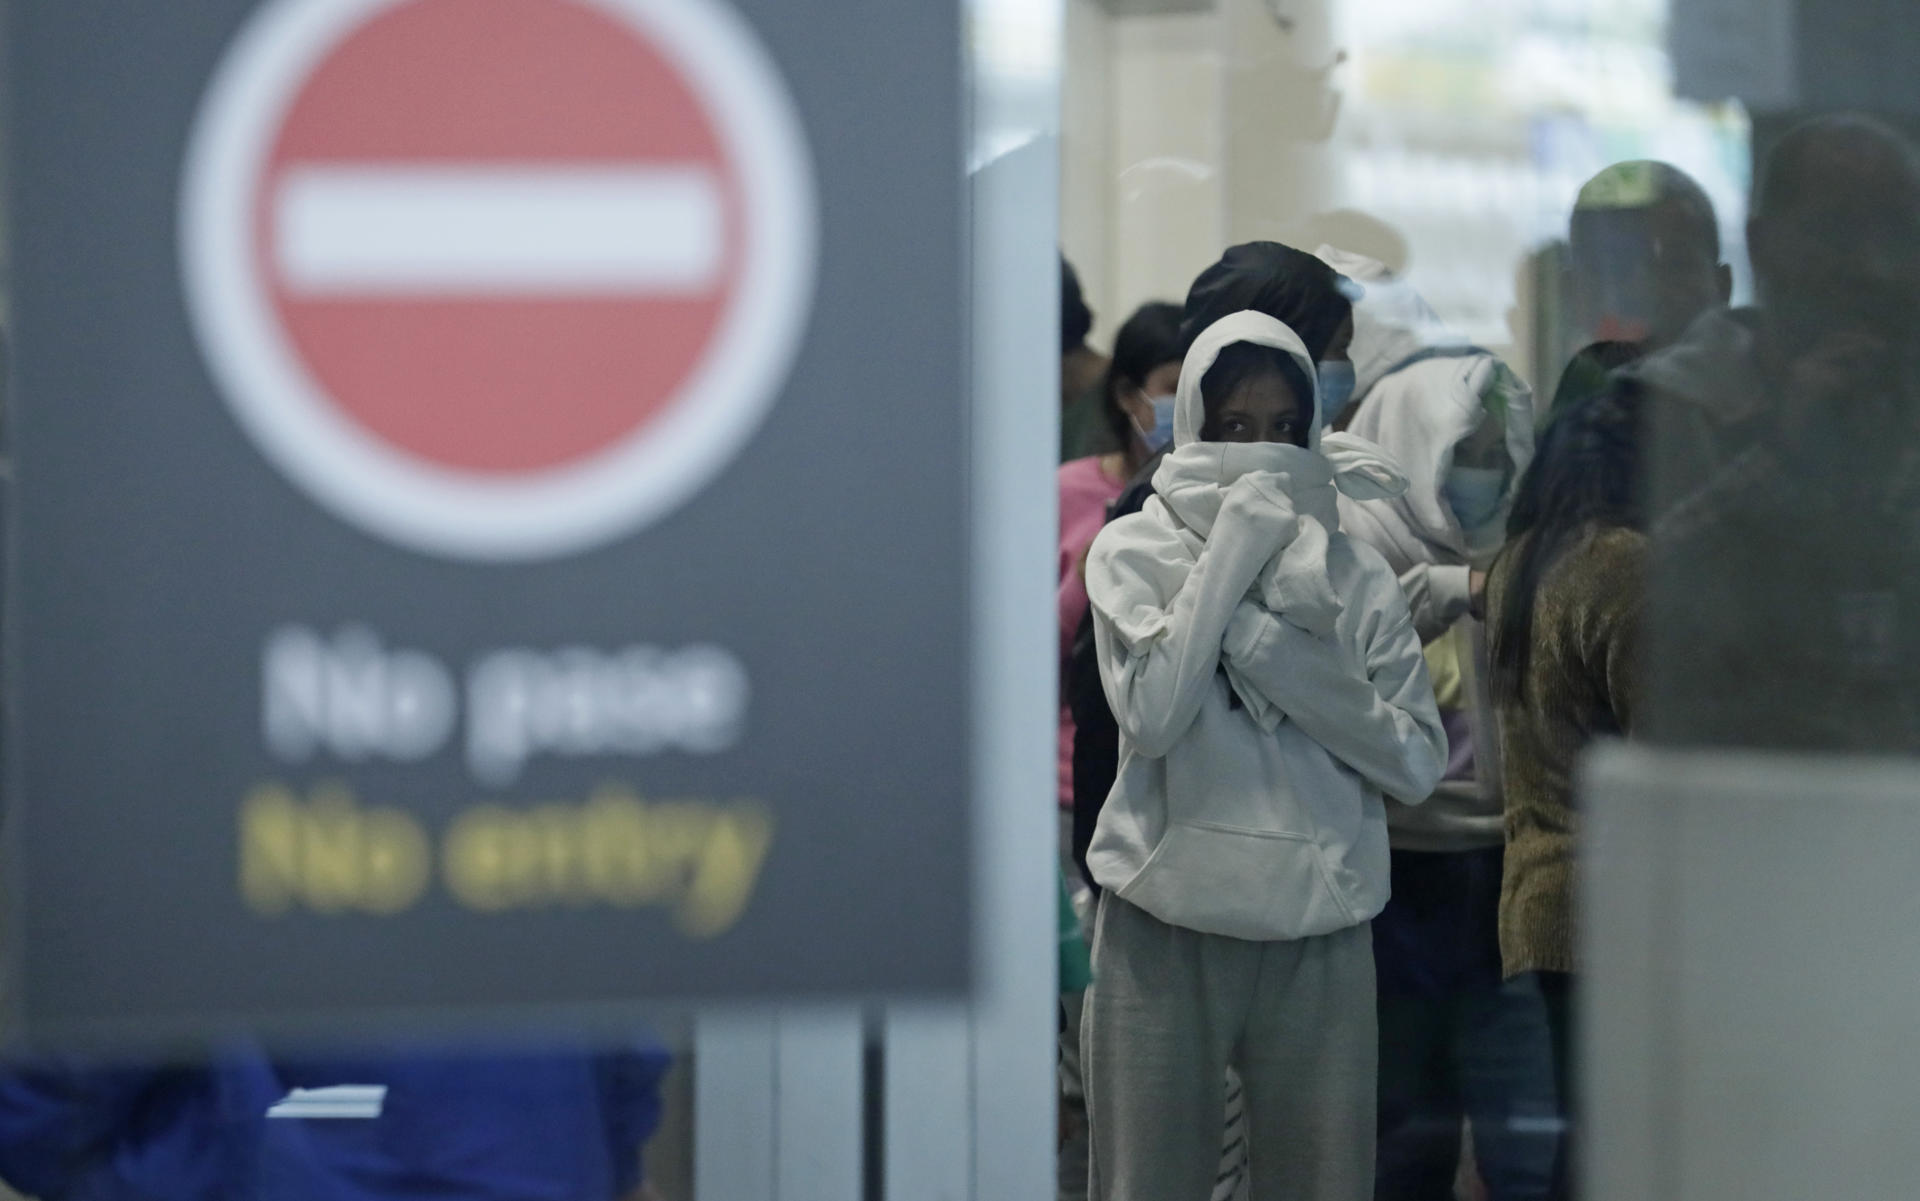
(1171, 1009)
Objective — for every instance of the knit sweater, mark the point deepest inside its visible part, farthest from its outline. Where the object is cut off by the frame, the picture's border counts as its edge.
(1579, 686)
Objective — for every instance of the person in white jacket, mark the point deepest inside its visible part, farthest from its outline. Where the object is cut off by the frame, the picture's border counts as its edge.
(1455, 417)
(1456, 1041)
(1269, 687)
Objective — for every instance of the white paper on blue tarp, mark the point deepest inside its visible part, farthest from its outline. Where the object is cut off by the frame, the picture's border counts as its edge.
(362, 1101)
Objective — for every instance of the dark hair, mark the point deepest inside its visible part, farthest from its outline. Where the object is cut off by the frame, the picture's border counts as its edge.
(1149, 338)
(1076, 319)
(1288, 285)
(1585, 472)
(1588, 371)
(1243, 361)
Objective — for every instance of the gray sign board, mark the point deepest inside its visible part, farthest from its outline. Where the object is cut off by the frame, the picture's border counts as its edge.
(490, 530)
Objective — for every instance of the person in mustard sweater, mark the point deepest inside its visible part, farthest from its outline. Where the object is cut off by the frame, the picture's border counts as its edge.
(1564, 602)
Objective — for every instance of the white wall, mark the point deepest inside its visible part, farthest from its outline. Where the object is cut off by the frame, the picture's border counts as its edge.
(1186, 132)
(1278, 116)
(1142, 148)
(1086, 158)
(1169, 147)
(1183, 133)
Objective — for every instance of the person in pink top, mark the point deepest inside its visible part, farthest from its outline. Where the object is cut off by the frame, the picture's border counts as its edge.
(1139, 409)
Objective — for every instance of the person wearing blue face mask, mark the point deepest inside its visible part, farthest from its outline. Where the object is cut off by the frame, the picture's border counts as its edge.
(1458, 1044)
(1337, 380)
(1477, 488)
(1141, 377)
(1475, 494)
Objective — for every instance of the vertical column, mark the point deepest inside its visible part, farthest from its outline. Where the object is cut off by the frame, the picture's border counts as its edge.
(819, 1095)
(1086, 159)
(1015, 357)
(733, 1107)
(1278, 116)
(1016, 205)
(929, 1105)
(1169, 148)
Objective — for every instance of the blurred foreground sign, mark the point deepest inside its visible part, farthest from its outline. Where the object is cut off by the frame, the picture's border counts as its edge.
(1783, 56)
(491, 525)
(498, 280)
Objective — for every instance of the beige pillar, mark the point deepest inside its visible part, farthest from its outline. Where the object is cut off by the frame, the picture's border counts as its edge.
(1278, 100)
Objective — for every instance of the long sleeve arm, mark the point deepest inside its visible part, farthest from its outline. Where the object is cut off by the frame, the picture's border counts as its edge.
(1156, 684)
(1622, 670)
(1608, 622)
(1438, 596)
(1378, 718)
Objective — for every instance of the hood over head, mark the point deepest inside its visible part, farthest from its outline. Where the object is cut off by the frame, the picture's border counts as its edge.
(1258, 329)
(1193, 475)
(1296, 484)
(1421, 392)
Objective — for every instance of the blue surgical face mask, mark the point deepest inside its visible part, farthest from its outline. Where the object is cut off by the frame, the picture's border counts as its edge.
(1336, 390)
(1474, 494)
(1158, 438)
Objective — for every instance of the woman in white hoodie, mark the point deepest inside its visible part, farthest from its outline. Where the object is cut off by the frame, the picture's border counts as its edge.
(1269, 687)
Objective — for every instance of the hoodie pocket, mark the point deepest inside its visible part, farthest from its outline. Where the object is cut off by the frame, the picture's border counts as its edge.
(1252, 884)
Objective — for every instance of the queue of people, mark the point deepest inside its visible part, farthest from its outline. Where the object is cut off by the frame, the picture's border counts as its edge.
(1357, 611)
(1340, 611)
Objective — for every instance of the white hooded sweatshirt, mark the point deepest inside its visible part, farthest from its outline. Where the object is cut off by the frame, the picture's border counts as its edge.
(1419, 391)
(1263, 821)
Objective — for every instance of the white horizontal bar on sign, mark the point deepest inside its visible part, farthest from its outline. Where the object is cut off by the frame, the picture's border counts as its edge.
(370, 230)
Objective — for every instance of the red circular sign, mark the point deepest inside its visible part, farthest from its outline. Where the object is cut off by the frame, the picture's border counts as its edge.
(507, 276)
(512, 378)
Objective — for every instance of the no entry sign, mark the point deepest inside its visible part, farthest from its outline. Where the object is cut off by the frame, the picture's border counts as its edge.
(491, 525)
(499, 278)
